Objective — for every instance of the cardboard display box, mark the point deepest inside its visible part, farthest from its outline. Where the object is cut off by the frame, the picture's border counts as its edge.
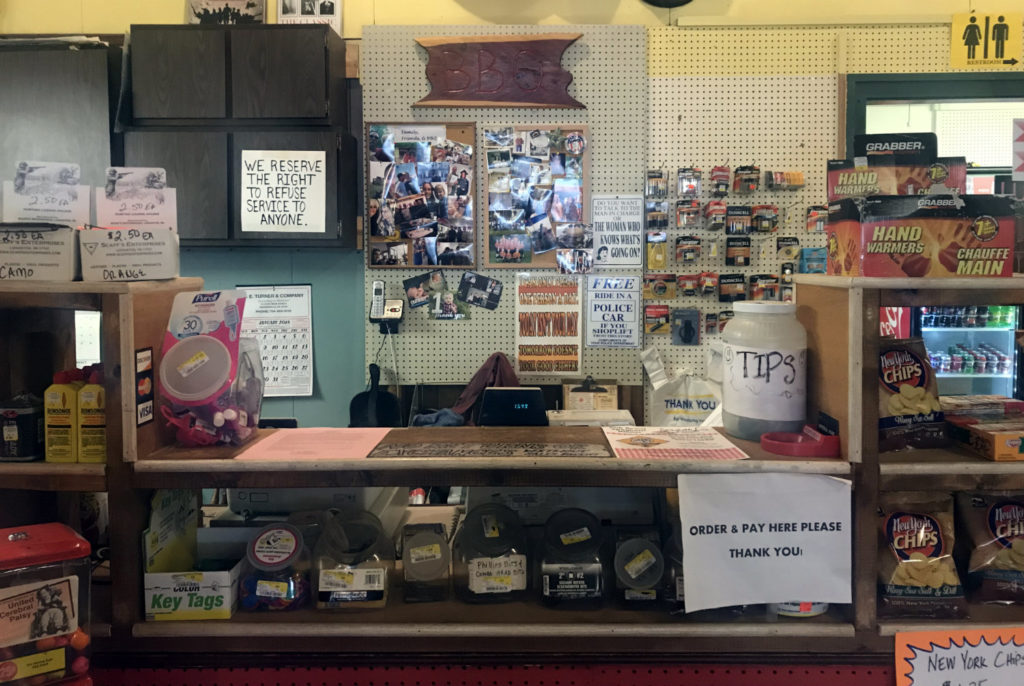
(999, 440)
(932, 236)
(191, 595)
(38, 253)
(128, 254)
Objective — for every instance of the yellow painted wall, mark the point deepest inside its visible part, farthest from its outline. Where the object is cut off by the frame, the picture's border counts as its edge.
(114, 16)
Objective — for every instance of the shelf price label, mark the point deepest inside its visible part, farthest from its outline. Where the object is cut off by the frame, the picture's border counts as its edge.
(979, 657)
(764, 538)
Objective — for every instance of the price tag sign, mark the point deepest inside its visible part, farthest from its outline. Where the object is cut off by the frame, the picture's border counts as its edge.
(137, 198)
(979, 657)
(764, 538)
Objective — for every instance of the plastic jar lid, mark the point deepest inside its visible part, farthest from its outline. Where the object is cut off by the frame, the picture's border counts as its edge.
(195, 369)
(759, 307)
(639, 564)
(573, 535)
(275, 547)
(365, 536)
(426, 556)
(492, 530)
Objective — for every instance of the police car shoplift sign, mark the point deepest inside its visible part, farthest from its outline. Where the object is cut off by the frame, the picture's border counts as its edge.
(988, 42)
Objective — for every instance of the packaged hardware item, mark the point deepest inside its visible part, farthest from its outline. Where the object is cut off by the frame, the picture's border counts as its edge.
(657, 215)
(909, 413)
(737, 251)
(639, 567)
(737, 220)
(426, 562)
(44, 605)
(657, 250)
(657, 185)
(210, 378)
(933, 236)
(787, 248)
(764, 287)
(686, 327)
(688, 284)
(687, 214)
(732, 287)
(765, 218)
(659, 286)
(489, 556)
(571, 568)
(355, 560)
(21, 420)
(687, 249)
(746, 179)
(688, 182)
(714, 215)
(916, 573)
(817, 217)
(720, 181)
(277, 574)
(813, 260)
(656, 319)
(994, 522)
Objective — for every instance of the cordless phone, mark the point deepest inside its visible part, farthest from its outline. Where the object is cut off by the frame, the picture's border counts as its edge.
(377, 301)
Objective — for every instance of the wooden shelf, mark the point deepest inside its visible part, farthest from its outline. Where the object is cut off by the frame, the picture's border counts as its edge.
(956, 468)
(894, 283)
(218, 467)
(979, 616)
(52, 476)
(446, 626)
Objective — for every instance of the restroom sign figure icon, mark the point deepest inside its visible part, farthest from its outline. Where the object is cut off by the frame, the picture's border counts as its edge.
(990, 42)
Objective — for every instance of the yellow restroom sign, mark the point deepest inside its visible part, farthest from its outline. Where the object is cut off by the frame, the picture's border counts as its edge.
(986, 41)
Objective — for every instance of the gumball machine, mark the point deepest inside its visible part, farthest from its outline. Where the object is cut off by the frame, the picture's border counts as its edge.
(44, 605)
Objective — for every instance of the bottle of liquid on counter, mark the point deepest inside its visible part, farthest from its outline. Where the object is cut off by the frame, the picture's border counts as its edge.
(92, 421)
(60, 414)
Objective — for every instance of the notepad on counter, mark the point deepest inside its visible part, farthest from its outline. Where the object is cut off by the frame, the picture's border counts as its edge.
(671, 443)
(315, 444)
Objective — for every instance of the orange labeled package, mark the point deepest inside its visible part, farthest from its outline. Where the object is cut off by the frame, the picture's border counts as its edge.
(995, 524)
(931, 236)
(916, 573)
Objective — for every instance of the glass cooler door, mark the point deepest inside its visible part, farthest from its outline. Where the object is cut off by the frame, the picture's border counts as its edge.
(971, 349)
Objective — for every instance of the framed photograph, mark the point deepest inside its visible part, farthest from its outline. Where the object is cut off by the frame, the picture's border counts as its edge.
(227, 11)
(420, 187)
(537, 185)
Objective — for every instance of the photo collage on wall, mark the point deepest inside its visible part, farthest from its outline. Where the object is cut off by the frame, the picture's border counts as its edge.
(538, 198)
(420, 195)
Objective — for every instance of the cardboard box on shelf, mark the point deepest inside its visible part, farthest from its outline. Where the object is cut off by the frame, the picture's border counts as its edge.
(120, 254)
(933, 236)
(191, 595)
(38, 252)
(1000, 439)
(577, 395)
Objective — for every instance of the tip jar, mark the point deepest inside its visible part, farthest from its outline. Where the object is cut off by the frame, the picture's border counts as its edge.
(764, 370)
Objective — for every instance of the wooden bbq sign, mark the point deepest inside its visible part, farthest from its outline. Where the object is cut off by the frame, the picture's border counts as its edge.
(499, 71)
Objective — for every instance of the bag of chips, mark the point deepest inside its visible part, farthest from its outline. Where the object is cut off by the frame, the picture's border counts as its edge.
(994, 522)
(909, 413)
(916, 573)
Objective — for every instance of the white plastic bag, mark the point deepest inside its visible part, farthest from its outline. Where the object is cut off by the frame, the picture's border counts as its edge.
(684, 400)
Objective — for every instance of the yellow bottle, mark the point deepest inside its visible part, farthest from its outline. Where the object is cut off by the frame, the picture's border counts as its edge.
(60, 409)
(92, 421)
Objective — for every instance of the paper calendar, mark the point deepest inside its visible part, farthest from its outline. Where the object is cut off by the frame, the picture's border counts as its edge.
(281, 319)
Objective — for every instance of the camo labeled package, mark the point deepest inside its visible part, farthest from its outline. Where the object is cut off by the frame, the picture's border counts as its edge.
(933, 236)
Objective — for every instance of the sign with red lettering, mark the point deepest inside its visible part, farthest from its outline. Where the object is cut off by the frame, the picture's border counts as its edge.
(499, 71)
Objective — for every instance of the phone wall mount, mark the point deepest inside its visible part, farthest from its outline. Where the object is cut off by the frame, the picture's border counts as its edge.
(392, 314)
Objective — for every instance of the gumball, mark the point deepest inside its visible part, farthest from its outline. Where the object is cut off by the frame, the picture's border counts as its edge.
(62, 641)
(80, 665)
(79, 640)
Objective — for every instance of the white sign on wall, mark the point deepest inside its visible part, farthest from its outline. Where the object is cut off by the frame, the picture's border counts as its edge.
(613, 311)
(284, 191)
(618, 230)
(764, 538)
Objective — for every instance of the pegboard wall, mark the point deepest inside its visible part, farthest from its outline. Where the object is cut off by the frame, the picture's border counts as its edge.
(608, 65)
(765, 95)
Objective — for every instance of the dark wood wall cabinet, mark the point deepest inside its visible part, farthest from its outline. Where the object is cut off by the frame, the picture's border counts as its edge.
(55, 106)
(227, 72)
(197, 96)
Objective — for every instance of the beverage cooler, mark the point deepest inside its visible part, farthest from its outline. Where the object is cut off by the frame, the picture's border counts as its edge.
(972, 349)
